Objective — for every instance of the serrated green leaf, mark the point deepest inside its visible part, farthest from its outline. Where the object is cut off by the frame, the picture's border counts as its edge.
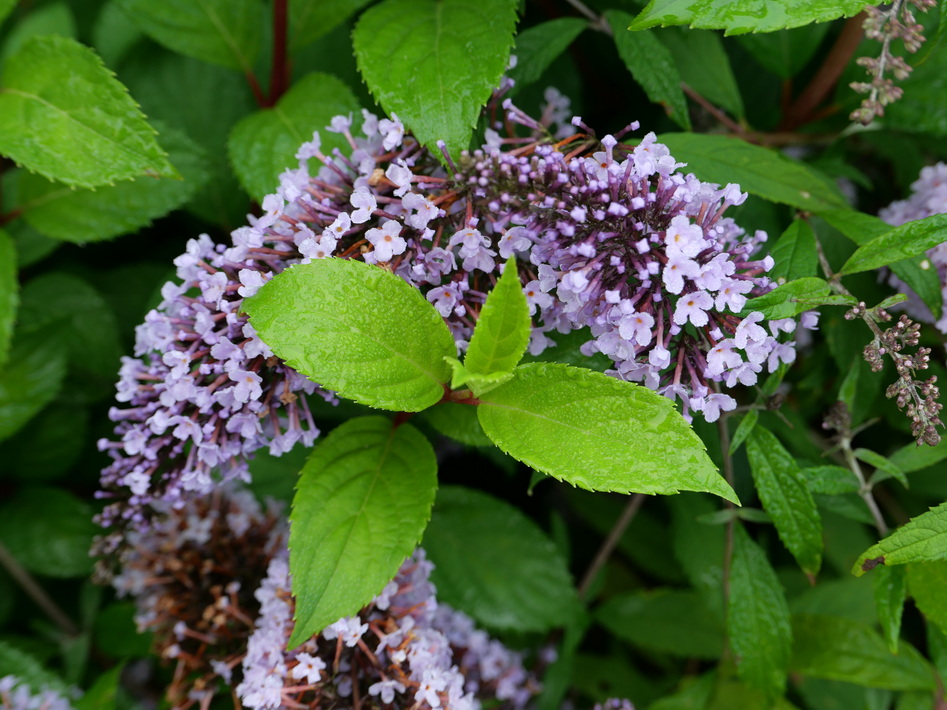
(435, 64)
(311, 19)
(495, 564)
(49, 531)
(669, 621)
(922, 539)
(794, 253)
(759, 171)
(31, 379)
(458, 421)
(223, 32)
(361, 505)
(909, 240)
(758, 618)
(830, 480)
(652, 66)
(52, 19)
(915, 458)
(356, 329)
(502, 331)
(881, 464)
(747, 424)
(598, 433)
(782, 489)
(479, 384)
(740, 16)
(84, 132)
(704, 65)
(264, 144)
(29, 670)
(926, 582)
(9, 294)
(890, 591)
(792, 298)
(841, 649)
(87, 215)
(538, 47)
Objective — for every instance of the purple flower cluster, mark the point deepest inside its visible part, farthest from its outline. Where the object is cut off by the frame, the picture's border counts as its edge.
(402, 650)
(16, 695)
(928, 197)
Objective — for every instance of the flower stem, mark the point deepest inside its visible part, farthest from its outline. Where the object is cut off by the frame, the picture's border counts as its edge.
(36, 592)
(279, 72)
(610, 542)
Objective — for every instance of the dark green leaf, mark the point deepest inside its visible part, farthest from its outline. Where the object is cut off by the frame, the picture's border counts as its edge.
(740, 16)
(53, 19)
(393, 339)
(598, 433)
(794, 253)
(495, 564)
(30, 380)
(458, 421)
(537, 48)
(747, 424)
(87, 215)
(841, 649)
(830, 480)
(224, 32)
(704, 66)
(9, 289)
(102, 694)
(5, 7)
(785, 53)
(915, 458)
(117, 633)
(435, 64)
(792, 298)
(759, 171)
(881, 464)
(558, 676)
(849, 597)
(923, 109)
(113, 35)
(652, 66)
(927, 582)
(669, 621)
(263, 145)
(502, 331)
(361, 505)
(922, 539)
(890, 591)
(698, 547)
(84, 132)
(311, 19)
(49, 531)
(908, 240)
(782, 489)
(48, 448)
(29, 670)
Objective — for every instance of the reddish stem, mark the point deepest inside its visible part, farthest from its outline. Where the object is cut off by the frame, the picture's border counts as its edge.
(279, 73)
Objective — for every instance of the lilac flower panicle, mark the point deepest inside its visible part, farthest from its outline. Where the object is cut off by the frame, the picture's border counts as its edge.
(15, 694)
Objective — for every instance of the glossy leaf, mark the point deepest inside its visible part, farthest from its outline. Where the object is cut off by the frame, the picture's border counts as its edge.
(652, 66)
(311, 19)
(30, 380)
(361, 505)
(922, 539)
(785, 496)
(9, 289)
(224, 32)
(394, 341)
(740, 16)
(263, 145)
(794, 253)
(598, 433)
(908, 240)
(758, 618)
(538, 47)
(502, 331)
(792, 298)
(841, 649)
(890, 590)
(85, 132)
(495, 564)
(86, 215)
(435, 64)
(760, 171)
(478, 384)
(926, 582)
(704, 65)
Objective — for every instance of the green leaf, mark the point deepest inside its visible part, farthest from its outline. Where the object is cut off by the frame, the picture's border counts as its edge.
(760, 171)
(393, 340)
(5, 7)
(311, 19)
(785, 53)
(915, 458)
(785, 496)
(740, 16)
(48, 531)
(890, 591)
(361, 505)
(704, 65)
(458, 421)
(908, 240)
(31, 379)
(29, 670)
(53, 19)
(747, 424)
(881, 464)
(841, 649)
(102, 694)
(922, 539)
(758, 618)
(668, 621)
(479, 384)
(224, 32)
(830, 480)
(916, 272)
(114, 34)
(115, 629)
(9, 288)
(87, 215)
(539, 46)
(84, 132)
(598, 433)
(794, 253)
(51, 446)
(264, 144)
(435, 64)
(495, 564)
(652, 66)
(792, 298)
(927, 582)
(923, 108)
(502, 331)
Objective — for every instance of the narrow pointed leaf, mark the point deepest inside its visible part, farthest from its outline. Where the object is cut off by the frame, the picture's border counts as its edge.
(86, 131)
(926, 582)
(705, 66)
(538, 47)
(502, 331)
(782, 489)
(908, 240)
(598, 433)
(361, 505)
(912, 457)
(921, 539)
(882, 465)
(794, 253)
(747, 424)
(311, 19)
(793, 298)
(9, 287)
(356, 329)
(435, 64)
(758, 618)
(890, 590)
